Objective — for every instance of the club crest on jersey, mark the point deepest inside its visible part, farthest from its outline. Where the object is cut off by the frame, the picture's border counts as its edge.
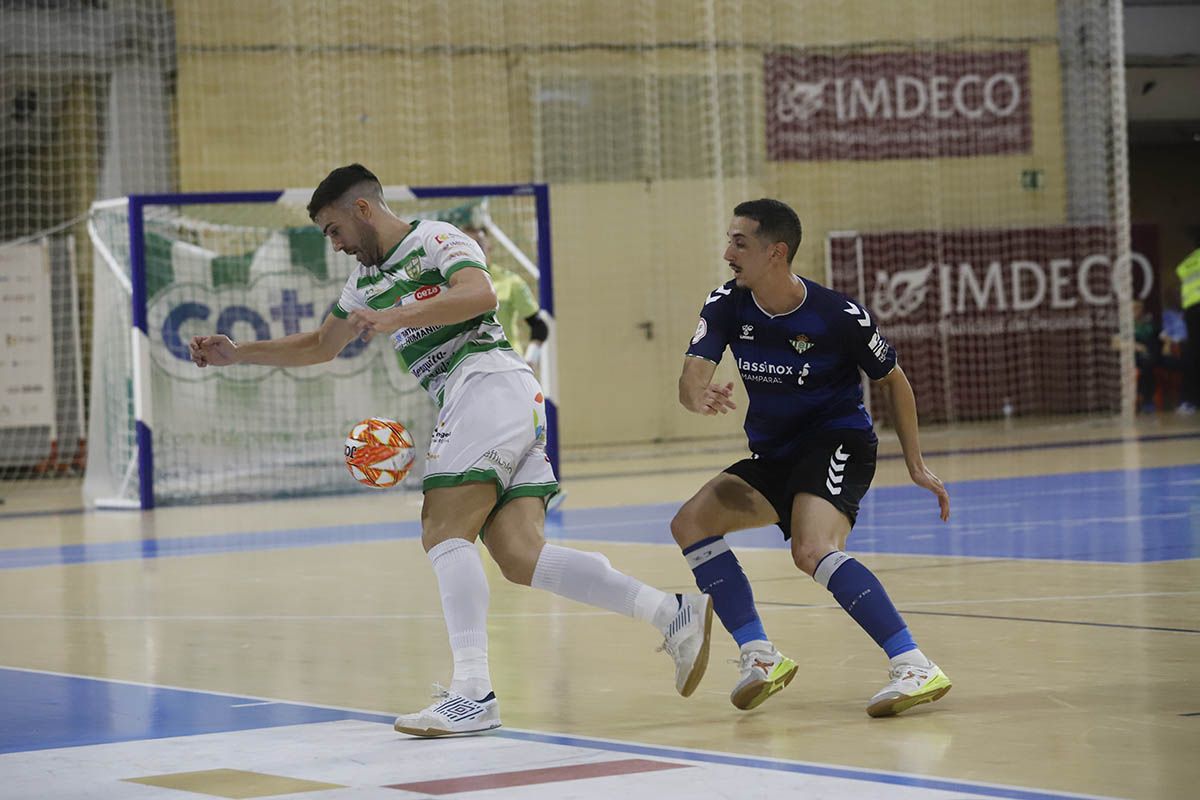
(801, 343)
(748, 333)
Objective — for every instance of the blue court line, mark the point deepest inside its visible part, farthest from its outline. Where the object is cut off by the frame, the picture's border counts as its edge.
(960, 451)
(49, 710)
(1073, 443)
(1114, 516)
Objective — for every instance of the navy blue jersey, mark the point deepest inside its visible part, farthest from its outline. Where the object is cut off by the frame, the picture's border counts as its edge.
(800, 369)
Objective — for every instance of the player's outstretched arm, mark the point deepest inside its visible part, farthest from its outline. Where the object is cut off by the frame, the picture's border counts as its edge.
(904, 416)
(297, 350)
(470, 294)
(698, 393)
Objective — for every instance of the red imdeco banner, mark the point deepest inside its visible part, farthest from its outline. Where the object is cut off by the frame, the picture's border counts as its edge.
(901, 104)
(991, 322)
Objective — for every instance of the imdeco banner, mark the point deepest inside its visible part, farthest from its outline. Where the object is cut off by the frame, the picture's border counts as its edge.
(901, 104)
(1023, 318)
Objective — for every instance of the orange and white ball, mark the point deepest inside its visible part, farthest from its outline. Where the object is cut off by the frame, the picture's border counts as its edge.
(379, 452)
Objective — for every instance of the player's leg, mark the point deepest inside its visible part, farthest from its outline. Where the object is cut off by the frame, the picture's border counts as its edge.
(728, 503)
(823, 512)
(450, 520)
(514, 537)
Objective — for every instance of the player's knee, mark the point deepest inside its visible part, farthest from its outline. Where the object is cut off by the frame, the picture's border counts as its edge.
(515, 558)
(516, 566)
(806, 555)
(687, 527)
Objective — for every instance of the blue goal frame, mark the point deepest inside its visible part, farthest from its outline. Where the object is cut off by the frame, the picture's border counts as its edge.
(540, 192)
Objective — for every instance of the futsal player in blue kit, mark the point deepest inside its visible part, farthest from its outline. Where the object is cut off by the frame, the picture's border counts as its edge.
(799, 347)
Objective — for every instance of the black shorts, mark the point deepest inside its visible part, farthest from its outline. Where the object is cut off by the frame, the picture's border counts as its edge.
(837, 466)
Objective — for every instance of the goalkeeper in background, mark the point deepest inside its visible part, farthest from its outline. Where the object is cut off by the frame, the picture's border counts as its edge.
(516, 303)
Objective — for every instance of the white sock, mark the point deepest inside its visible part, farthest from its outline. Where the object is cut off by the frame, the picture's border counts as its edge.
(589, 578)
(464, 590)
(912, 657)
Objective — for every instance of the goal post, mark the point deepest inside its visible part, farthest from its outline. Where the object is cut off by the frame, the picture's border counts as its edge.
(252, 265)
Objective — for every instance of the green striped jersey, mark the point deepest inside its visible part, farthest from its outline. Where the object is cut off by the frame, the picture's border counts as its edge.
(418, 268)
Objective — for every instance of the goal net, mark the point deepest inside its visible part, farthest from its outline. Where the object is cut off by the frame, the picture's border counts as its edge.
(252, 266)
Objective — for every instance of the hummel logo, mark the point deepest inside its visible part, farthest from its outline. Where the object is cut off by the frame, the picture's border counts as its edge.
(717, 294)
(863, 318)
(837, 466)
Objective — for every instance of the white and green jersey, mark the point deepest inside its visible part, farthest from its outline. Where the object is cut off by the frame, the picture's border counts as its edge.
(418, 268)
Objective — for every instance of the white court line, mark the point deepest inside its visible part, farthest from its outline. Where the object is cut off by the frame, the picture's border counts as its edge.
(247, 705)
(685, 754)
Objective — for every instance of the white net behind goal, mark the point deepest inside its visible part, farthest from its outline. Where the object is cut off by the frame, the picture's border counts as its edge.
(251, 271)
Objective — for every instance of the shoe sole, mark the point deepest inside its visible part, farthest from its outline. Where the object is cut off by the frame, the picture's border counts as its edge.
(693, 679)
(756, 694)
(433, 733)
(895, 705)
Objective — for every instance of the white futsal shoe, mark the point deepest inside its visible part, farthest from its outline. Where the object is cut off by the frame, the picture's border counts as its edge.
(910, 685)
(763, 671)
(451, 714)
(687, 640)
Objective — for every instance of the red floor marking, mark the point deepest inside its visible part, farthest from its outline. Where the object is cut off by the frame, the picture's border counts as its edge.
(528, 777)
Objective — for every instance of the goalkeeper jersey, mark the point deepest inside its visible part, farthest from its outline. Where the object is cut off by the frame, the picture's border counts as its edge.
(418, 268)
(801, 368)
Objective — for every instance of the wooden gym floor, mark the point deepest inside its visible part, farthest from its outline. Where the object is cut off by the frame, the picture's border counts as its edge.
(261, 649)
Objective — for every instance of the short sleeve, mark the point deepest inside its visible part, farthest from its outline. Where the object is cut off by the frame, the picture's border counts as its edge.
(450, 250)
(351, 299)
(712, 330)
(868, 347)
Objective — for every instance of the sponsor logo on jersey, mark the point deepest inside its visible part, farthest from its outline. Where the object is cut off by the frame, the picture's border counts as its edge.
(426, 292)
(803, 374)
(801, 343)
(701, 331)
(765, 367)
(747, 333)
(879, 346)
(442, 238)
(432, 364)
(763, 371)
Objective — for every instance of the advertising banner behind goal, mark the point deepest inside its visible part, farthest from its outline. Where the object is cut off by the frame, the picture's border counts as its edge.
(995, 322)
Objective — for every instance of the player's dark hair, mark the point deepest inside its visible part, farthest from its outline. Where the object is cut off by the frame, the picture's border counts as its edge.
(777, 222)
(337, 183)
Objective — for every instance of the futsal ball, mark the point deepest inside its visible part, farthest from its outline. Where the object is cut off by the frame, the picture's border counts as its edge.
(379, 452)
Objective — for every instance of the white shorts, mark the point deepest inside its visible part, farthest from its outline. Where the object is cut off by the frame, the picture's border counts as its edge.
(493, 428)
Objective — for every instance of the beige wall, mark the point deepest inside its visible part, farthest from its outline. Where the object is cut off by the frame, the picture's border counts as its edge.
(273, 94)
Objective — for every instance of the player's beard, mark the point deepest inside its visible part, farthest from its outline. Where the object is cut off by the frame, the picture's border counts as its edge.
(370, 246)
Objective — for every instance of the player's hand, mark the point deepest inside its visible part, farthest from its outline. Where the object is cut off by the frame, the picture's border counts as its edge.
(716, 400)
(369, 322)
(214, 351)
(923, 477)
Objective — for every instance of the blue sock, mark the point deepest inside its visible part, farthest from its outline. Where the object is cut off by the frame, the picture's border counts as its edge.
(862, 595)
(719, 575)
